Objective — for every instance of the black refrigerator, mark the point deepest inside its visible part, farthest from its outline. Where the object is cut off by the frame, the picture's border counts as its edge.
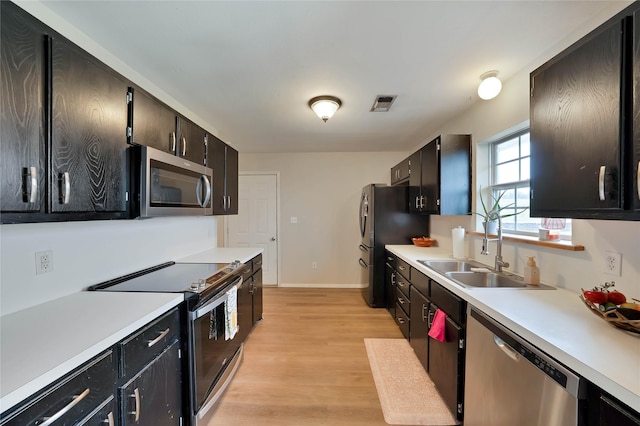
(384, 219)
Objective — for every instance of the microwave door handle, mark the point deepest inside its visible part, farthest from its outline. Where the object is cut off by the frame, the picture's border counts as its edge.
(207, 195)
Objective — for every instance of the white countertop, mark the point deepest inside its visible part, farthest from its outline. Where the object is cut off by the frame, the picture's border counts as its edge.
(43, 343)
(39, 345)
(557, 322)
(222, 255)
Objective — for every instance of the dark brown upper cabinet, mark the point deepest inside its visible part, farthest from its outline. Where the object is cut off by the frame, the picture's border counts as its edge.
(635, 164)
(400, 172)
(64, 117)
(88, 133)
(152, 123)
(224, 161)
(440, 179)
(584, 155)
(22, 99)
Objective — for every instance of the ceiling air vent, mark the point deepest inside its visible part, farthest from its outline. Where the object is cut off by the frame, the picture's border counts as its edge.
(383, 103)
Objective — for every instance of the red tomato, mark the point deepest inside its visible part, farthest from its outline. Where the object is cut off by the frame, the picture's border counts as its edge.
(616, 298)
(596, 296)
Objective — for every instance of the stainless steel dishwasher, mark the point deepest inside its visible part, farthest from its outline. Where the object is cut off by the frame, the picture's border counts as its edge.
(511, 382)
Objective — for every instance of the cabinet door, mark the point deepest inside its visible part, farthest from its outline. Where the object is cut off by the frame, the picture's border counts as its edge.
(390, 289)
(419, 327)
(446, 364)
(245, 309)
(231, 176)
(575, 129)
(154, 123)
(154, 396)
(257, 296)
(400, 172)
(635, 166)
(415, 182)
(104, 415)
(88, 145)
(430, 173)
(21, 97)
(191, 143)
(215, 160)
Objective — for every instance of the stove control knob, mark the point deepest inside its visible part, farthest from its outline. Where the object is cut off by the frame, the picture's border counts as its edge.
(201, 283)
(194, 286)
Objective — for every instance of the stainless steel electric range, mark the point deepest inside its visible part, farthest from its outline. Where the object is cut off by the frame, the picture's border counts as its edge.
(213, 353)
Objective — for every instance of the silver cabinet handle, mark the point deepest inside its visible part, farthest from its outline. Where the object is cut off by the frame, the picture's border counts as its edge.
(223, 201)
(638, 180)
(363, 263)
(32, 184)
(272, 239)
(402, 268)
(401, 300)
(424, 312)
(203, 179)
(65, 188)
(76, 400)
(422, 201)
(183, 142)
(136, 396)
(400, 320)
(430, 317)
(601, 182)
(511, 353)
(109, 419)
(157, 339)
(172, 141)
(393, 278)
(417, 202)
(228, 201)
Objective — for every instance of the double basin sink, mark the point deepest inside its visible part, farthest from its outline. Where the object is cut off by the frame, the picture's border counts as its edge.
(476, 275)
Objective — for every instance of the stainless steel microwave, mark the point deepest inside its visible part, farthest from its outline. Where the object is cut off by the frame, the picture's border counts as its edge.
(173, 186)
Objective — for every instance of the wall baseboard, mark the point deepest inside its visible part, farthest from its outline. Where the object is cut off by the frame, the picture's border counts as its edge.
(314, 285)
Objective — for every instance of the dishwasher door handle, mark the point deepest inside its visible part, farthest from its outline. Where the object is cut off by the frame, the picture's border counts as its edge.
(511, 353)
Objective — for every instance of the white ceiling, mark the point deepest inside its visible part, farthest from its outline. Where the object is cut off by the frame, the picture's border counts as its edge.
(249, 68)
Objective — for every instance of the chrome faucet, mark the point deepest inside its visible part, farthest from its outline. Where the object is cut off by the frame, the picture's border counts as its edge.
(485, 241)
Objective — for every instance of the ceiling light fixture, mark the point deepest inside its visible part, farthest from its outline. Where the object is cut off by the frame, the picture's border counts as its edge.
(325, 106)
(490, 86)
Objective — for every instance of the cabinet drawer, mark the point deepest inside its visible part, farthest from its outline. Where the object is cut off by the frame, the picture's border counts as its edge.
(148, 342)
(403, 285)
(390, 259)
(403, 268)
(73, 398)
(419, 281)
(256, 263)
(454, 307)
(247, 271)
(402, 319)
(403, 301)
(104, 415)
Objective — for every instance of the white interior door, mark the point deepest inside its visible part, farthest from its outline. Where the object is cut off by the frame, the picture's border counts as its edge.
(255, 225)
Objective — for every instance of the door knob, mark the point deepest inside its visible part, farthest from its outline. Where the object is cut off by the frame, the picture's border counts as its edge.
(273, 238)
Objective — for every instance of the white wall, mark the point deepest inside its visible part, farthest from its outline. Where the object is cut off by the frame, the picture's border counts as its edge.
(86, 253)
(323, 191)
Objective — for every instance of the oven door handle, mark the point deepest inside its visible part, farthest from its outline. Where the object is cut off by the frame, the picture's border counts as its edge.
(215, 302)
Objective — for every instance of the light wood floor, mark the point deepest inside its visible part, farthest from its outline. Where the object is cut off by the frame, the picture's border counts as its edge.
(305, 363)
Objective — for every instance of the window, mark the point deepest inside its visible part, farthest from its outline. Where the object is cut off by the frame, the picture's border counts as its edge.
(509, 175)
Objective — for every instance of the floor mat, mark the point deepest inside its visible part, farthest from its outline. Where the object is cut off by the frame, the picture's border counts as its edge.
(407, 394)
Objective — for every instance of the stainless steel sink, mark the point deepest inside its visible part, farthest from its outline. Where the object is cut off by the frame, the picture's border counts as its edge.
(485, 279)
(444, 266)
(460, 272)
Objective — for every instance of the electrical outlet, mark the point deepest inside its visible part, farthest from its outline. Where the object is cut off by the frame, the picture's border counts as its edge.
(612, 263)
(314, 265)
(44, 262)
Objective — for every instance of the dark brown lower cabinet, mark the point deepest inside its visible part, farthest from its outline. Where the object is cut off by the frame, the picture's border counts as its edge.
(420, 326)
(605, 410)
(154, 395)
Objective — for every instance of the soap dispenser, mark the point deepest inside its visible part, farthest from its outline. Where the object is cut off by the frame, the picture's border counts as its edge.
(531, 272)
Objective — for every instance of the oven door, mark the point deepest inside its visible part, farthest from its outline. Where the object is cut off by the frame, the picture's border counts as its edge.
(212, 343)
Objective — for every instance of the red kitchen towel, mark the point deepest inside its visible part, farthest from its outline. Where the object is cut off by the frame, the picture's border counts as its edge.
(438, 326)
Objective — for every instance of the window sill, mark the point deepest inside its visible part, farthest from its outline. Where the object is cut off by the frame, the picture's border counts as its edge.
(523, 239)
